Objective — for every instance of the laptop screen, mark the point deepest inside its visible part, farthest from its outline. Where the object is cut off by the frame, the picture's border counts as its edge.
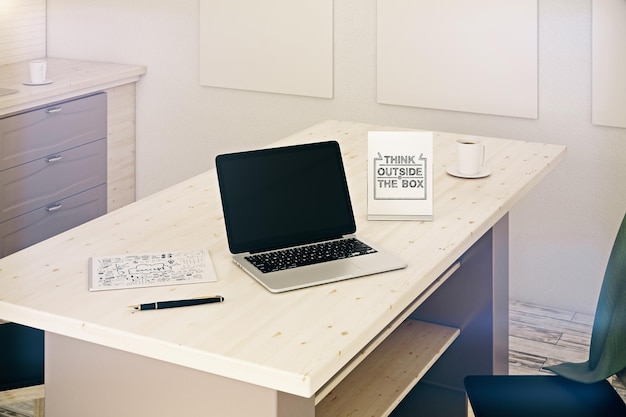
(281, 197)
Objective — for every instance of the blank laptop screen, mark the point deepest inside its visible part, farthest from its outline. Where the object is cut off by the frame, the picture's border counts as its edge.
(281, 197)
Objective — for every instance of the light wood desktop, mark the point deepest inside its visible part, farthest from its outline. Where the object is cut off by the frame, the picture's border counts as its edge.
(322, 351)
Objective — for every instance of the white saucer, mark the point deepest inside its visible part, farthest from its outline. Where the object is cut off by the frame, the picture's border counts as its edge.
(484, 172)
(46, 82)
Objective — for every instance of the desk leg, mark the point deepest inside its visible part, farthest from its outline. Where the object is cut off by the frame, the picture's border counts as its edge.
(85, 379)
(475, 300)
(500, 296)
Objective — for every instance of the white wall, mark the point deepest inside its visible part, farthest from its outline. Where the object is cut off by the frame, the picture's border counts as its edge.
(22, 30)
(561, 233)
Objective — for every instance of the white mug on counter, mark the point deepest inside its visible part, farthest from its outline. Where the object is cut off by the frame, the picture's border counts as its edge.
(37, 71)
(470, 156)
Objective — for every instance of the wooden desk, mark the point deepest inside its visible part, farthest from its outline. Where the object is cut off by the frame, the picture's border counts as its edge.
(266, 354)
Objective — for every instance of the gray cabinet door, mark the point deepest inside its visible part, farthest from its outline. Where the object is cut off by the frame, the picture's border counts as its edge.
(47, 130)
(53, 170)
(37, 225)
(33, 185)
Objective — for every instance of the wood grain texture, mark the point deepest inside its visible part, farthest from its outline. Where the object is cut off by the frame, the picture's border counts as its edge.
(26, 401)
(378, 385)
(22, 394)
(71, 78)
(527, 355)
(543, 336)
(120, 146)
(275, 350)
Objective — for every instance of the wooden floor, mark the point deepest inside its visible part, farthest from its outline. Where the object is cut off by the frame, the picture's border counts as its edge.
(543, 336)
(539, 336)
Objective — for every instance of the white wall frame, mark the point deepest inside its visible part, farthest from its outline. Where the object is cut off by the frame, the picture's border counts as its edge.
(476, 56)
(277, 46)
(609, 63)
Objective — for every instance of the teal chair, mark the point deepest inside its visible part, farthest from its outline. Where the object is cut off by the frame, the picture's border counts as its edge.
(22, 366)
(577, 389)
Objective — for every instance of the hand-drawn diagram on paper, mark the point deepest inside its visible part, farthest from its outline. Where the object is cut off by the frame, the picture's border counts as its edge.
(150, 269)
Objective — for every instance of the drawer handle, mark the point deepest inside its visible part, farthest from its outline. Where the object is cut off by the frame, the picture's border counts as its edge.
(54, 207)
(54, 158)
(53, 110)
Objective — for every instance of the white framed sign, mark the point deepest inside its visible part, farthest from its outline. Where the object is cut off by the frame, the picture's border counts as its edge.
(400, 176)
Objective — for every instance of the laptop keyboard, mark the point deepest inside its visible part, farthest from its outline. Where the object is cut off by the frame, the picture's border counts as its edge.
(308, 255)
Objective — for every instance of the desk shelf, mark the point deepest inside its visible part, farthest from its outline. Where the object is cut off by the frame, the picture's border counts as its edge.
(383, 379)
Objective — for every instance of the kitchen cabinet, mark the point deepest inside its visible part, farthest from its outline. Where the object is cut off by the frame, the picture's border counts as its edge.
(52, 170)
(73, 79)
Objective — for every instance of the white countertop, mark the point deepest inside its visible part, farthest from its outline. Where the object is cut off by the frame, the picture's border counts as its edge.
(293, 342)
(70, 78)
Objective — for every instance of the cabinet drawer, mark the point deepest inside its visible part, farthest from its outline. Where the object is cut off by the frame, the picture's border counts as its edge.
(35, 184)
(30, 228)
(43, 131)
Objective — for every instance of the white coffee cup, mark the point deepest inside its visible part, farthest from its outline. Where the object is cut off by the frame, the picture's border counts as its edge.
(37, 71)
(470, 155)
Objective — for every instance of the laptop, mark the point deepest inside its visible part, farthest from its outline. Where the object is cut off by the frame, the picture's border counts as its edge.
(289, 218)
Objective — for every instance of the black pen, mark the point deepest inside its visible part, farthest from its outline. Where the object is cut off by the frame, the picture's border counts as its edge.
(179, 303)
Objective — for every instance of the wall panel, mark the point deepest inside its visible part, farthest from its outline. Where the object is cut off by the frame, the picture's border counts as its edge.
(278, 46)
(609, 63)
(474, 56)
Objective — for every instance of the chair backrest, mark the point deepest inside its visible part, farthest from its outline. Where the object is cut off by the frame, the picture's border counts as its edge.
(607, 353)
(608, 337)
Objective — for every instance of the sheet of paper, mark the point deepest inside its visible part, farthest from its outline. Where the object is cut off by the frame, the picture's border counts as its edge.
(150, 269)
